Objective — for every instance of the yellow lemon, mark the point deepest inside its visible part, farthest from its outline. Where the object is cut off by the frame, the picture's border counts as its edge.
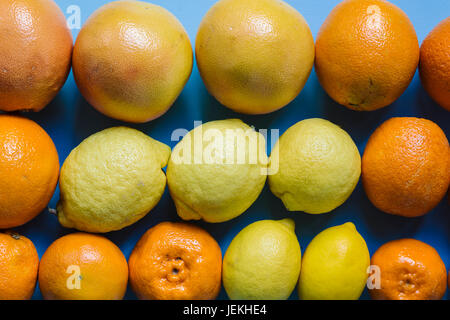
(111, 180)
(318, 166)
(255, 55)
(334, 265)
(263, 261)
(131, 60)
(217, 171)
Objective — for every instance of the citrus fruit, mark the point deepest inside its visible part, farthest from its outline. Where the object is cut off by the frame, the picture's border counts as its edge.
(255, 55)
(131, 60)
(29, 168)
(409, 269)
(19, 263)
(36, 48)
(176, 261)
(318, 166)
(366, 54)
(406, 166)
(334, 265)
(263, 261)
(434, 63)
(82, 266)
(217, 171)
(111, 180)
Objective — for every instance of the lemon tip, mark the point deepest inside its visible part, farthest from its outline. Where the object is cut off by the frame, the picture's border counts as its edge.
(288, 222)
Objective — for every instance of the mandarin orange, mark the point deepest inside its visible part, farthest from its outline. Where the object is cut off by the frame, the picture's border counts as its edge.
(82, 266)
(434, 64)
(176, 261)
(406, 166)
(409, 270)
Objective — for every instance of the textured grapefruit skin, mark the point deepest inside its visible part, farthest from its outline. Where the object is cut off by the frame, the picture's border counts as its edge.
(254, 56)
(131, 60)
(35, 53)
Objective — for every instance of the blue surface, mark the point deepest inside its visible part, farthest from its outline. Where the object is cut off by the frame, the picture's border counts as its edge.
(69, 119)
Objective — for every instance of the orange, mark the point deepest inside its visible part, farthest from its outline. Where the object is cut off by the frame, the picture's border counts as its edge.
(176, 261)
(19, 263)
(434, 63)
(131, 60)
(35, 53)
(82, 266)
(406, 166)
(29, 169)
(366, 54)
(409, 270)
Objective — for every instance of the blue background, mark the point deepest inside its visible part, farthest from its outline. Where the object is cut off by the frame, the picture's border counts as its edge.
(69, 119)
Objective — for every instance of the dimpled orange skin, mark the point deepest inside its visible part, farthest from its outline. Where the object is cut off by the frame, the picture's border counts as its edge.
(19, 263)
(35, 53)
(29, 169)
(434, 64)
(131, 60)
(366, 54)
(409, 270)
(406, 166)
(103, 269)
(176, 261)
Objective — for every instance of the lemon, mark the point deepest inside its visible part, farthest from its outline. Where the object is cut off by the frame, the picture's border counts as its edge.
(111, 180)
(254, 56)
(334, 265)
(263, 261)
(318, 166)
(217, 171)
